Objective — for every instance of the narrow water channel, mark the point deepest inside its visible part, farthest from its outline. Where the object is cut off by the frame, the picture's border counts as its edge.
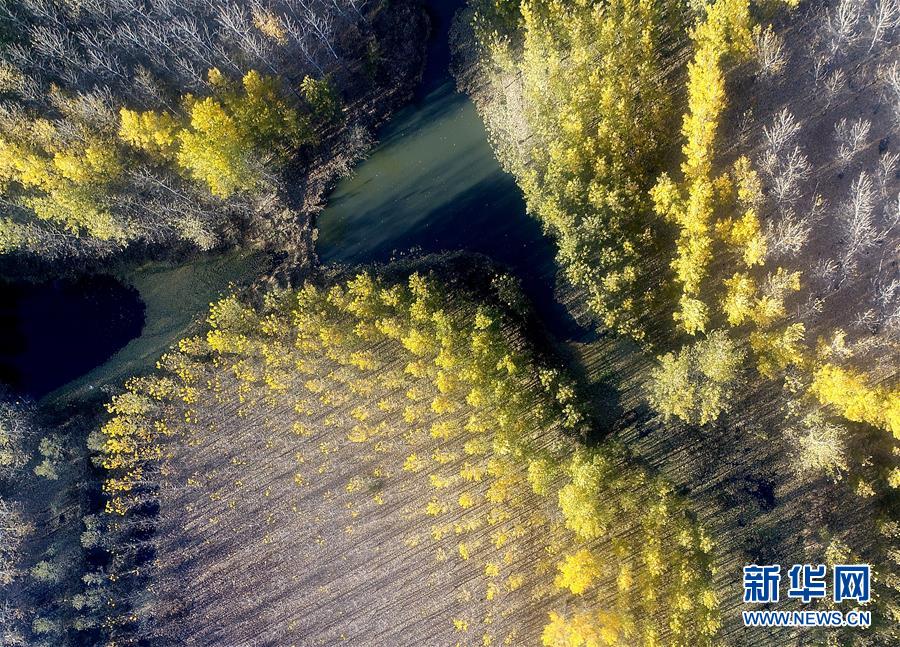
(433, 185)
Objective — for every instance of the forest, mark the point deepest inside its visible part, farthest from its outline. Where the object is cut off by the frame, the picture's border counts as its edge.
(781, 282)
(414, 415)
(412, 450)
(196, 122)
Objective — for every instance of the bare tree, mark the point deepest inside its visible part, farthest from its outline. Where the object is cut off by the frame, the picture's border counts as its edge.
(842, 23)
(770, 52)
(234, 20)
(887, 170)
(297, 31)
(890, 81)
(851, 136)
(819, 67)
(321, 24)
(825, 271)
(50, 43)
(782, 131)
(857, 221)
(820, 445)
(149, 90)
(789, 173)
(833, 85)
(102, 61)
(787, 235)
(358, 141)
(13, 530)
(15, 430)
(96, 108)
(892, 215)
(355, 5)
(11, 634)
(882, 20)
(887, 304)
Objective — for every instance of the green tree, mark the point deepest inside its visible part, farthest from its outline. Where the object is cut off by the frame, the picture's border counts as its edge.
(322, 98)
(584, 511)
(51, 451)
(594, 109)
(699, 382)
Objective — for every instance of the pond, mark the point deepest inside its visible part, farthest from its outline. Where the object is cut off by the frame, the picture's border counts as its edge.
(173, 298)
(51, 333)
(60, 340)
(433, 185)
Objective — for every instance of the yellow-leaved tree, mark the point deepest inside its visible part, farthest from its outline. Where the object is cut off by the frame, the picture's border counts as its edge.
(594, 108)
(64, 179)
(223, 140)
(848, 392)
(724, 33)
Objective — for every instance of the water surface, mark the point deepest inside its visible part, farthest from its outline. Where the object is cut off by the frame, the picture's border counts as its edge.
(433, 185)
(50, 333)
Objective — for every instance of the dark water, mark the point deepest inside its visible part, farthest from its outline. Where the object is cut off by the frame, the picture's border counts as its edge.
(433, 185)
(51, 333)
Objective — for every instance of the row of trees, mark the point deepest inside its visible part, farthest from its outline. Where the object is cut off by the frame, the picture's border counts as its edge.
(582, 164)
(15, 436)
(141, 52)
(738, 291)
(746, 229)
(722, 35)
(573, 136)
(225, 140)
(32, 566)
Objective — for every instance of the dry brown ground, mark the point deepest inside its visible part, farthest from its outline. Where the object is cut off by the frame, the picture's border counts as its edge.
(273, 537)
(280, 525)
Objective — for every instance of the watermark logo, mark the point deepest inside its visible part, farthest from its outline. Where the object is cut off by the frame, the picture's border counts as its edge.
(761, 583)
(808, 582)
(852, 582)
